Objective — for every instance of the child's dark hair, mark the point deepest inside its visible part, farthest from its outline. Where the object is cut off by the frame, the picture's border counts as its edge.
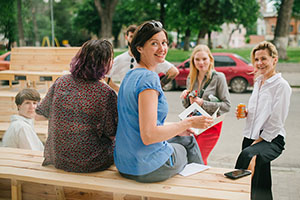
(27, 94)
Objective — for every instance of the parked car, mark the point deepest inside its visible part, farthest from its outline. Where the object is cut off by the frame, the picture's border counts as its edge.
(5, 61)
(238, 72)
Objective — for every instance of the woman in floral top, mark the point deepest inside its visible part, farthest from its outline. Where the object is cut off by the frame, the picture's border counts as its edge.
(82, 113)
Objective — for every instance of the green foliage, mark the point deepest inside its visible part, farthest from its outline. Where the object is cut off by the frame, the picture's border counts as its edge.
(86, 17)
(296, 9)
(77, 20)
(8, 21)
(208, 15)
(236, 12)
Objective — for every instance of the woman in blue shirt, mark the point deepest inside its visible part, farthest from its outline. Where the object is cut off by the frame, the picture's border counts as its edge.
(142, 152)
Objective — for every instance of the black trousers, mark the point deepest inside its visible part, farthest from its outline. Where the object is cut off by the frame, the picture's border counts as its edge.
(261, 184)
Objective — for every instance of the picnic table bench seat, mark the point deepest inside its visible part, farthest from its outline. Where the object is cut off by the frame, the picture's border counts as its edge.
(23, 177)
(38, 64)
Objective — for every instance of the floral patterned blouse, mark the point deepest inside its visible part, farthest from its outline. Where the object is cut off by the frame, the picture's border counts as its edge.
(82, 118)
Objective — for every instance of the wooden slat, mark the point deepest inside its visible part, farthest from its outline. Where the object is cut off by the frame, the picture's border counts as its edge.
(121, 185)
(42, 59)
(210, 184)
(207, 180)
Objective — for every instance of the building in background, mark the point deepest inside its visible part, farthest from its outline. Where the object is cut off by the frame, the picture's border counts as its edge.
(266, 25)
(231, 36)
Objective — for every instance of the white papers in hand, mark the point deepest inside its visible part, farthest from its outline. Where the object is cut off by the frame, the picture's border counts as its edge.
(193, 168)
(196, 108)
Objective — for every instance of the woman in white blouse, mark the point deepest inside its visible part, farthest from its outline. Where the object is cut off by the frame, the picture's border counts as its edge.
(267, 111)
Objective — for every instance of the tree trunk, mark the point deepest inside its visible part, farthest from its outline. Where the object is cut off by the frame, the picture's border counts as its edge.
(209, 40)
(201, 36)
(35, 28)
(20, 24)
(106, 9)
(162, 11)
(178, 46)
(297, 33)
(186, 45)
(281, 37)
(231, 33)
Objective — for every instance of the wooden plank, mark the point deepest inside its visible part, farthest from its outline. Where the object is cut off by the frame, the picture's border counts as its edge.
(209, 179)
(33, 73)
(73, 193)
(118, 196)
(181, 181)
(60, 195)
(42, 59)
(5, 188)
(206, 181)
(210, 184)
(31, 191)
(121, 185)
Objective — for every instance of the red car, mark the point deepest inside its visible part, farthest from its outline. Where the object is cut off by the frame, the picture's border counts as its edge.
(238, 72)
(5, 61)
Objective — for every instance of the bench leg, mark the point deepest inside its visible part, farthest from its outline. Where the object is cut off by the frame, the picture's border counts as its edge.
(60, 195)
(144, 198)
(118, 196)
(16, 190)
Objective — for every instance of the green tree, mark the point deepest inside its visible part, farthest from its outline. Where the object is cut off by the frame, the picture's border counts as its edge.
(8, 21)
(183, 16)
(205, 16)
(20, 23)
(134, 12)
(241, 16)
(86, 17)
(296, 9)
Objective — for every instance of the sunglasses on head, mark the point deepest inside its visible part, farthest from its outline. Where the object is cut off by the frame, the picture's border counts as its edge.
(152, 23)
(131, 63)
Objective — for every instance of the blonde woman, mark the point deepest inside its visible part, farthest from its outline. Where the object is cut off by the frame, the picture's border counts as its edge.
(267, 111)
(209, 90)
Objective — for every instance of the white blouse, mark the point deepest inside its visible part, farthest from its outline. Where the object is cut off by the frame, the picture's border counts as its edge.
(21, 134)
(268, 109)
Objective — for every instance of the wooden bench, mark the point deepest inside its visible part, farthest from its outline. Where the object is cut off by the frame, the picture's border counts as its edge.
(38, 64)
(9, 108)
(23, 177)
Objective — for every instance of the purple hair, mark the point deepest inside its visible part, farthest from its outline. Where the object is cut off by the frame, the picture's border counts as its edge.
(93, 61)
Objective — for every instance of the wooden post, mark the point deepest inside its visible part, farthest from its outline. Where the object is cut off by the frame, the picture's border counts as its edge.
(60, 195)
(16, 190)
